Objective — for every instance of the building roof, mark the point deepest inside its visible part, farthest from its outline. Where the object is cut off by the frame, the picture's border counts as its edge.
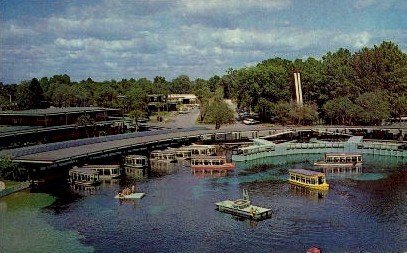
(56, 111)
(306, 172)
(187, 96)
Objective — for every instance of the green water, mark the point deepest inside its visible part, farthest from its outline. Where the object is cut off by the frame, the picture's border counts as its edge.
(24, 227)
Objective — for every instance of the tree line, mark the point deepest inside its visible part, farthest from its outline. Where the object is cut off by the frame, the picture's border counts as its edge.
(360, 88)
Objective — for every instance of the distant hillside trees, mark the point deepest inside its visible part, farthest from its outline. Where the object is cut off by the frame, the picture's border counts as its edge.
(343, 87)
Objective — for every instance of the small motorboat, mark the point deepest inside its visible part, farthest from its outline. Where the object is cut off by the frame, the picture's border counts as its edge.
(136, 195)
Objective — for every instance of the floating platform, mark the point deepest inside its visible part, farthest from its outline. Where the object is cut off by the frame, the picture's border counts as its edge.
(243, 208)
(250, 212)
(137, 195)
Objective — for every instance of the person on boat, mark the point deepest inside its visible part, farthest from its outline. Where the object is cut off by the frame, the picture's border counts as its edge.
(133, 189)
(126, 191)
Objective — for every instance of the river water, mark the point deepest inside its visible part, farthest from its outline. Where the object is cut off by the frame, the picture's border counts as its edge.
(362, 212)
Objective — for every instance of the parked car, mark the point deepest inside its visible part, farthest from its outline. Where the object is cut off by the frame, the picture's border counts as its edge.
(250, 121)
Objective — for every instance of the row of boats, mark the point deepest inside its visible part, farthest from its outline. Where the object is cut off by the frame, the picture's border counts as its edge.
(201, 159)
(301, 178)
(316, 179)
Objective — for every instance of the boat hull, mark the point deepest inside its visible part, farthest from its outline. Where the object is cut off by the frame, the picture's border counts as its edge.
(107, 177)
(86, 183)
(137, 195)
(325, 164)
(324, 186)
(223, 167)
(250, 212)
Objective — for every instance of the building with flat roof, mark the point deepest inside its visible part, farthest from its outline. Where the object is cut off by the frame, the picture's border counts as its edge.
(55, 116)
(183, 98)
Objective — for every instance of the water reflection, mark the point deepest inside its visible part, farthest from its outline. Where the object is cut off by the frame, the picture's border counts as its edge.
(209, 173)
(84, 190)
(162, 167)
(135, 203)
(250, 222)
(306, 192)
(336, 172)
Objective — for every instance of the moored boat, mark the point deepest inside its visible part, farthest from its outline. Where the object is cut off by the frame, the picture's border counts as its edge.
(135, 165)
(261, 148)
(106, 172)
(308, 178)
(211, 164)
(84, 177)
(340, 159)
(243, 208)
(197, 149)
(182, 153)
(167, 155)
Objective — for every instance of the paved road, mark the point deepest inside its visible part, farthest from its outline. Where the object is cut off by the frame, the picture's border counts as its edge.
(177, 120)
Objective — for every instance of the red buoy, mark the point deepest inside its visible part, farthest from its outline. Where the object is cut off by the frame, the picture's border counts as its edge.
(314, 250)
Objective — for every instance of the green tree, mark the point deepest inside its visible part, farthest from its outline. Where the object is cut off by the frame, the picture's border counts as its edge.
(219, 113)
(382, 67)
(282, 112)
(62, 95)
(23, 96)
(180, 85)
(10, 170)
(374, 108)
(341, 111)
(87, 122)
(105, 94)
(304, 115)
(338, 74)
(399, 106)
(135, 115)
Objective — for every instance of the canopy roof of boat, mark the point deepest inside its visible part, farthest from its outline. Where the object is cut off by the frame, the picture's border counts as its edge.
(136, 156)
(342, 154)
(84, 171)
(208, 157)
(101, 166)
(306, 172)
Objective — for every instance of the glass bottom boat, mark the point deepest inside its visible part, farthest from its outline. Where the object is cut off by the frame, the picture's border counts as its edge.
(308, 178)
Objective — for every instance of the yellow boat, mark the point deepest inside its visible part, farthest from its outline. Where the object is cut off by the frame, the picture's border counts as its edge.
(308, 178)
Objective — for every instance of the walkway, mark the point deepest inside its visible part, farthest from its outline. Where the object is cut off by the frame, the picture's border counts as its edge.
(66, 151)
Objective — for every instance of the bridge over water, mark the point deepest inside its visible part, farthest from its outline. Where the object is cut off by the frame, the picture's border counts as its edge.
(70, 152)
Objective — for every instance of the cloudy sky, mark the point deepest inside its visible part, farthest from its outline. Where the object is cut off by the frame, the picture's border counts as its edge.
(112, 39)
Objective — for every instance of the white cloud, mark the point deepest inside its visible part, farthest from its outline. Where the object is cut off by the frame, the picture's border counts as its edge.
(121, 39)
(96, 44)
(361, 4)
(355, 40)
(14, 30)
(203, 6)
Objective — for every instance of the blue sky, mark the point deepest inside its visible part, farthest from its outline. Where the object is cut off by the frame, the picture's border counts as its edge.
(112, 39)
